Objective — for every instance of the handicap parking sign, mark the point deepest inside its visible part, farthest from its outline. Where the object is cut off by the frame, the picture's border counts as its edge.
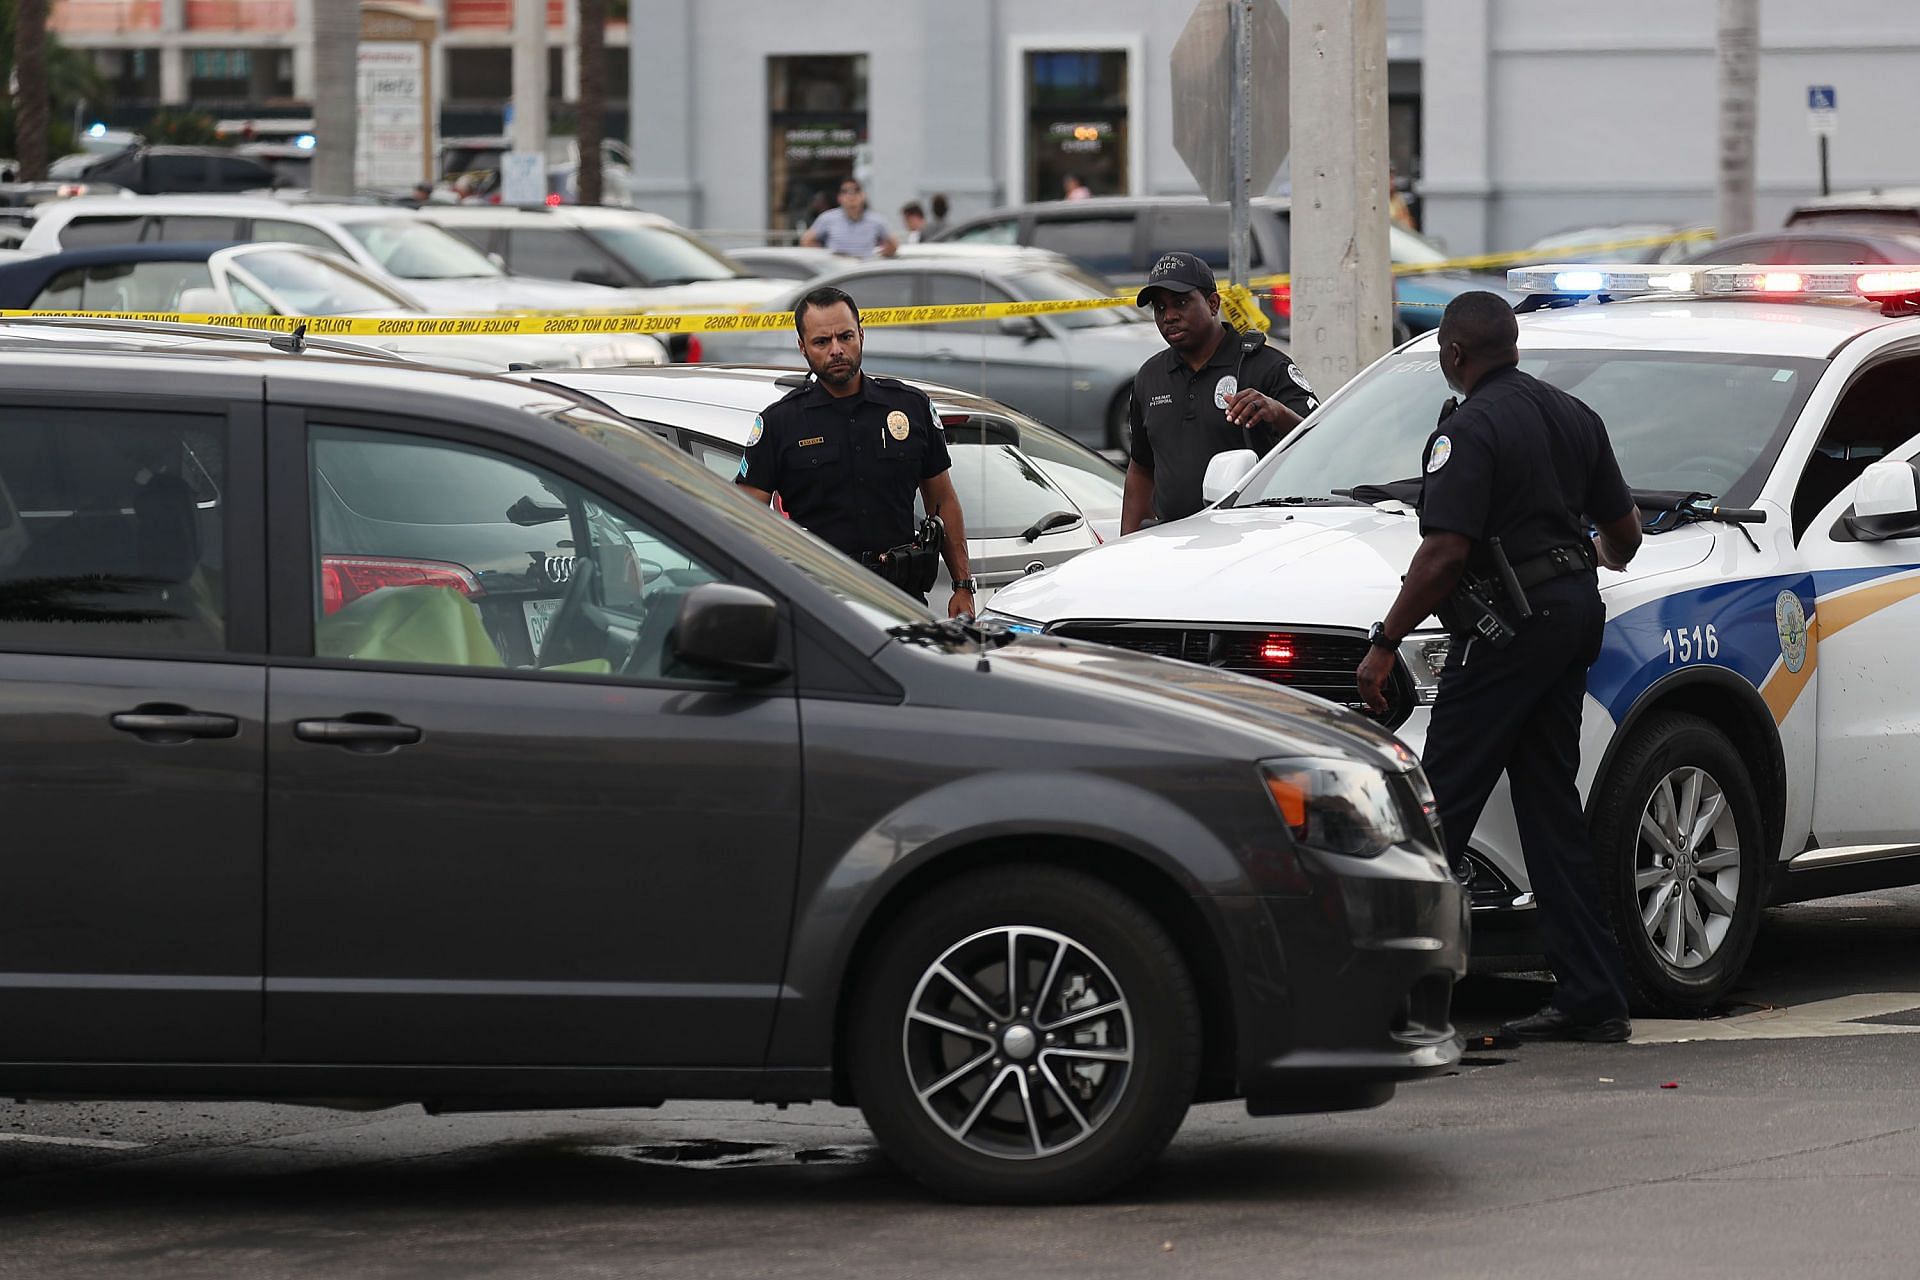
(1823, 108)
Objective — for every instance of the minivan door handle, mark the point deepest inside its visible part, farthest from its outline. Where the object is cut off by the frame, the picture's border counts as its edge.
(369, 733)
(165, 724)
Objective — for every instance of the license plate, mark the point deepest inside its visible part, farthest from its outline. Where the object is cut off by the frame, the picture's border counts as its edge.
(539, 616)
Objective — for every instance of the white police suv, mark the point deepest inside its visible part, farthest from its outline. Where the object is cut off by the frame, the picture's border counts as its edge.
(1752, 727)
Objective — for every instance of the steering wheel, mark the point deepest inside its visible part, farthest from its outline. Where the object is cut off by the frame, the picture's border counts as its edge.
(572, 621)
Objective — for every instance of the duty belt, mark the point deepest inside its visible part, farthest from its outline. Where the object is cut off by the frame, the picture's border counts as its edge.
(1554, 563)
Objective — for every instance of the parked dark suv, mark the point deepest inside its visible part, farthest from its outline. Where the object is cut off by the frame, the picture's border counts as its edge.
(297, 812)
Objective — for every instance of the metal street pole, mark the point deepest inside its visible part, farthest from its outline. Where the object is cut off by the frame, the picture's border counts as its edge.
(529, 132)
(336, 112)
(1826, 187)
(1738, 55)
(1240, 140)
(1342, 276)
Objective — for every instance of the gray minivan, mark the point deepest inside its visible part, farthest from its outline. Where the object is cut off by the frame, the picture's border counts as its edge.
(285, 821)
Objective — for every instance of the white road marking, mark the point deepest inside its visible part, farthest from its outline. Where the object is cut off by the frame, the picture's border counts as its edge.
(51, 1140)
(1839, 1017)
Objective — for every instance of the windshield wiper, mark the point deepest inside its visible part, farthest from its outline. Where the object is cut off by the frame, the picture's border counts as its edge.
(954, 631)
(1049, 522)
(1300, 500)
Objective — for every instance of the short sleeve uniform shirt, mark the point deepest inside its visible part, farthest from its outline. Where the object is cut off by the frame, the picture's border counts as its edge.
(1522, 461)
(848, 468)
(858, 237)
(1178, 418)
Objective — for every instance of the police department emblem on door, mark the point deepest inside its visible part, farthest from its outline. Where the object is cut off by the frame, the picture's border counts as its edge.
(1790, 619)
(897, 425)
(1227, 386)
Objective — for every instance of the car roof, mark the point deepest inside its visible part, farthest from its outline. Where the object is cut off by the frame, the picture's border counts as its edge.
(1894, 198)
(236, 206)
(1808, 330)
(1096, 204)
(1878, 233)
(723, 400)
(50, 332)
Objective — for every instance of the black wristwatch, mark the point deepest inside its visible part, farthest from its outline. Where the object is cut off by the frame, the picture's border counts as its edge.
(1377, 637)
(967, 585)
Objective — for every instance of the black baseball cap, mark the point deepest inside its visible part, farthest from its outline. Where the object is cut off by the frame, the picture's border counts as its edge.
(1180, 272)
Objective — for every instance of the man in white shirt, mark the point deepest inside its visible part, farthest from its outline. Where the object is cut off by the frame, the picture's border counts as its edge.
(851, 229)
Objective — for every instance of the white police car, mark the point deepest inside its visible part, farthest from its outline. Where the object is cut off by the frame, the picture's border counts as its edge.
(1752, 727)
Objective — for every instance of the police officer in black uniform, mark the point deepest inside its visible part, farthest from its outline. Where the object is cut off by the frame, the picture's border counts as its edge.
(1514, 475)
(848, 452)
(1214, 391)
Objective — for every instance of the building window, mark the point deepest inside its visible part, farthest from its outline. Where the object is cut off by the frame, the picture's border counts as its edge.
(816, 134)
(131, 75)
(1076, 121)
(484, 74)
(239, 75)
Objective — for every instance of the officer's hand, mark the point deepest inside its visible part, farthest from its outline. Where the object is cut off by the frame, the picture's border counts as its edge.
(1600, 554)
(1250, 408)
(1372, 677)
(960, 602)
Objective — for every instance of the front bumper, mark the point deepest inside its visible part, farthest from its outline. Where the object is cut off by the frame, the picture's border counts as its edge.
(1346, 989)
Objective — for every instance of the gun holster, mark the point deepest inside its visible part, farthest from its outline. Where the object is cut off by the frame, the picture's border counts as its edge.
(1488, 605)
(913, 566)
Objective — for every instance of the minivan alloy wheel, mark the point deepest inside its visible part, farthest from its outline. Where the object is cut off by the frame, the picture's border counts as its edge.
(1687, 867)
(1018, 1042)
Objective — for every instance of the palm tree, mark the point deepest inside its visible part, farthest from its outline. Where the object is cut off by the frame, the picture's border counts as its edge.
(593, 97)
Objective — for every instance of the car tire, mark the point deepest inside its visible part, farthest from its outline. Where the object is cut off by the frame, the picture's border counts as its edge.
(1119, 428)
(1668, 897)
(1101, 1094)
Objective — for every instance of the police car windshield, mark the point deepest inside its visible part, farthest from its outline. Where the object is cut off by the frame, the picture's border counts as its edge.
(1691, 421)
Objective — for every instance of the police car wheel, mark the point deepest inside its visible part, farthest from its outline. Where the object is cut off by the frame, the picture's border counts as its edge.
(1024, 1034)
(1679, 839)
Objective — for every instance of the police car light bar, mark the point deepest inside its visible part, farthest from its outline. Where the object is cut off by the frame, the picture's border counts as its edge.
(1582, 280)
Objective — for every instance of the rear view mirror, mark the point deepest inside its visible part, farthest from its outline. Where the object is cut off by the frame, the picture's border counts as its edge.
(730, 630)
(1021, 327)
(1886, 503)
(1225, 473)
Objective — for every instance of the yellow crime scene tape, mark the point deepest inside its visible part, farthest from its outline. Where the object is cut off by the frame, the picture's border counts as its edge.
(1237, 301)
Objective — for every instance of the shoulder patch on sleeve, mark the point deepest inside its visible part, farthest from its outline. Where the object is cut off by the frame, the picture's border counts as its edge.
(1299, 378)
(758, 429)
(1438, 455)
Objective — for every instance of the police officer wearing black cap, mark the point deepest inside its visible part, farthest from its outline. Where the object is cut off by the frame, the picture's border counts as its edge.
(848, 452)
(1514, 475)
(1215, 390)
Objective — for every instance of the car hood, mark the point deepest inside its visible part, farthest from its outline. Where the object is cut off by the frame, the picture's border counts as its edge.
(1114, 686)
(1306, 566)
(485, 294)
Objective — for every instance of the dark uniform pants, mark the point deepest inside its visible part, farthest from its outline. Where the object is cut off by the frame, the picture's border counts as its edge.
(1517, 710)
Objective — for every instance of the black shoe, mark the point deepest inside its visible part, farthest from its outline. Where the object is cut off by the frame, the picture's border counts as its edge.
(1552, 1024)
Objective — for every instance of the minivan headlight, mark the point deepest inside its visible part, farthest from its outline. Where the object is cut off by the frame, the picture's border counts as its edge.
(1021, 626)
(1341, 806)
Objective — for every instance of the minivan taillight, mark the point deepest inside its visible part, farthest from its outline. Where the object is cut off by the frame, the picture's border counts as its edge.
(1282, 296)
(344, 579)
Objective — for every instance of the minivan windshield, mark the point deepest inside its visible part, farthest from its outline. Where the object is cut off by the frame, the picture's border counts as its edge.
(1696, 422)
(418, 251)
(862, 589)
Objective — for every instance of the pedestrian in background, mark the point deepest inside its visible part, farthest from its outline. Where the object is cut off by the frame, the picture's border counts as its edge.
(1075, 189)
(938, 222)
(1514, 474)
(914, 219)
(848, 452)
(1213, 391)
(852, 229)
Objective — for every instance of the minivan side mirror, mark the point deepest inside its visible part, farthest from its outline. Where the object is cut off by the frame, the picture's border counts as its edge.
(731, 630)
(1886, 502)
(1021, 327)
(1225, 473)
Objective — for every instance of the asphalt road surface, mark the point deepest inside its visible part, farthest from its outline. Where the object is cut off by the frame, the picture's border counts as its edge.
(1789, 1144)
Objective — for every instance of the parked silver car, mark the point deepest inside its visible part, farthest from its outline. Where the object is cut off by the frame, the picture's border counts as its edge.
(1073, 371)
(1020, 518)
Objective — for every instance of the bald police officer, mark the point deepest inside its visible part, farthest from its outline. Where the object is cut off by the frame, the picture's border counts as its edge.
(848, 452)
(1516, 471)
(1213, 391)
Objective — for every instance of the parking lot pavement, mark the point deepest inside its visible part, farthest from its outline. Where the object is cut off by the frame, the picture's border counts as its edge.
(1769, 1156)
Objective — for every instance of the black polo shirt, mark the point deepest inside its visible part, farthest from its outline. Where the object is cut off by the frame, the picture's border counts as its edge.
(1179, 415)
(848, 468)
(1522, 461)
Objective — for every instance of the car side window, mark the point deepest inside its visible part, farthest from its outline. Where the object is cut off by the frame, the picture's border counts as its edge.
(554, 254)
(176, 226)
(881, 289)
(947, 289)
(111, 531)
(293, 233)
(1874, 417)
(1003, 231)
(440, 554)
(1103, 243)
(1199, 229)
(721, 459)
(89, 233)
(129, 286)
